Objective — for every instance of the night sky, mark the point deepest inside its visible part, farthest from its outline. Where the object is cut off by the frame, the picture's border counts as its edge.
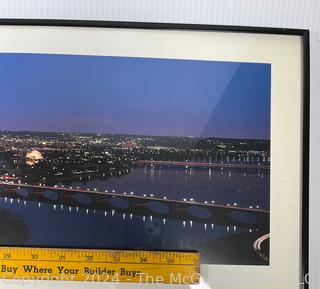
(127, 95)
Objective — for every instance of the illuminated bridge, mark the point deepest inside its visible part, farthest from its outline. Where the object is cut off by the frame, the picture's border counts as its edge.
(129, 204)
(203, 164)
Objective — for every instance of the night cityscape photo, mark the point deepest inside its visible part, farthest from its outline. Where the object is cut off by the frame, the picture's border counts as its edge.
(136, 153)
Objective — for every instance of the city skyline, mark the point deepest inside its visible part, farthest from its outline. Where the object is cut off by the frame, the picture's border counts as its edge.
(134, 96)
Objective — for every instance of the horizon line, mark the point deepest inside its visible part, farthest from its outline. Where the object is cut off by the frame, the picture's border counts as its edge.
(127, 134)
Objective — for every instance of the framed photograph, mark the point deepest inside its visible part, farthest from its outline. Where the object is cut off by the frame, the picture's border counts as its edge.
(159, 136)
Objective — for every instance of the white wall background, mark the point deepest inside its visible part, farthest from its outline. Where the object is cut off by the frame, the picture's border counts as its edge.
(272, 13)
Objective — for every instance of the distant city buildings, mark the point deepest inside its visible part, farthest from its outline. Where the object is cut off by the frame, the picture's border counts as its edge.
(51, 157)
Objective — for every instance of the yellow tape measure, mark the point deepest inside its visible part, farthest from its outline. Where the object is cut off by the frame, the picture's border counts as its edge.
(99, 265)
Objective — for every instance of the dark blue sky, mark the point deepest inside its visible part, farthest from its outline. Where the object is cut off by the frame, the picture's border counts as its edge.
(42, 92)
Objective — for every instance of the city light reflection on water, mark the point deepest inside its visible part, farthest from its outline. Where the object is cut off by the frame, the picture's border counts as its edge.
(64, 226)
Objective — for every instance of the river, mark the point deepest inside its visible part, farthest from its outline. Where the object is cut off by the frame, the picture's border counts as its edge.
(245, 188)
(70, 228)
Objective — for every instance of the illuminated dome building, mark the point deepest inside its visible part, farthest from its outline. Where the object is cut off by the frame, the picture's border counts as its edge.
(33, 157)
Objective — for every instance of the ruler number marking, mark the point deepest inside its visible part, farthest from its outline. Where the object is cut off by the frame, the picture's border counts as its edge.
(34, 256)
(6, 256)
(170, 260)
(143, 259)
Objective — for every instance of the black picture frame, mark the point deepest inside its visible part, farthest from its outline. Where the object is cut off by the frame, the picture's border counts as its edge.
(303, 33)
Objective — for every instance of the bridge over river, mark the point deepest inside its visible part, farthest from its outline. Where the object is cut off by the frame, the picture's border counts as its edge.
(192, 164)
(131, 204)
